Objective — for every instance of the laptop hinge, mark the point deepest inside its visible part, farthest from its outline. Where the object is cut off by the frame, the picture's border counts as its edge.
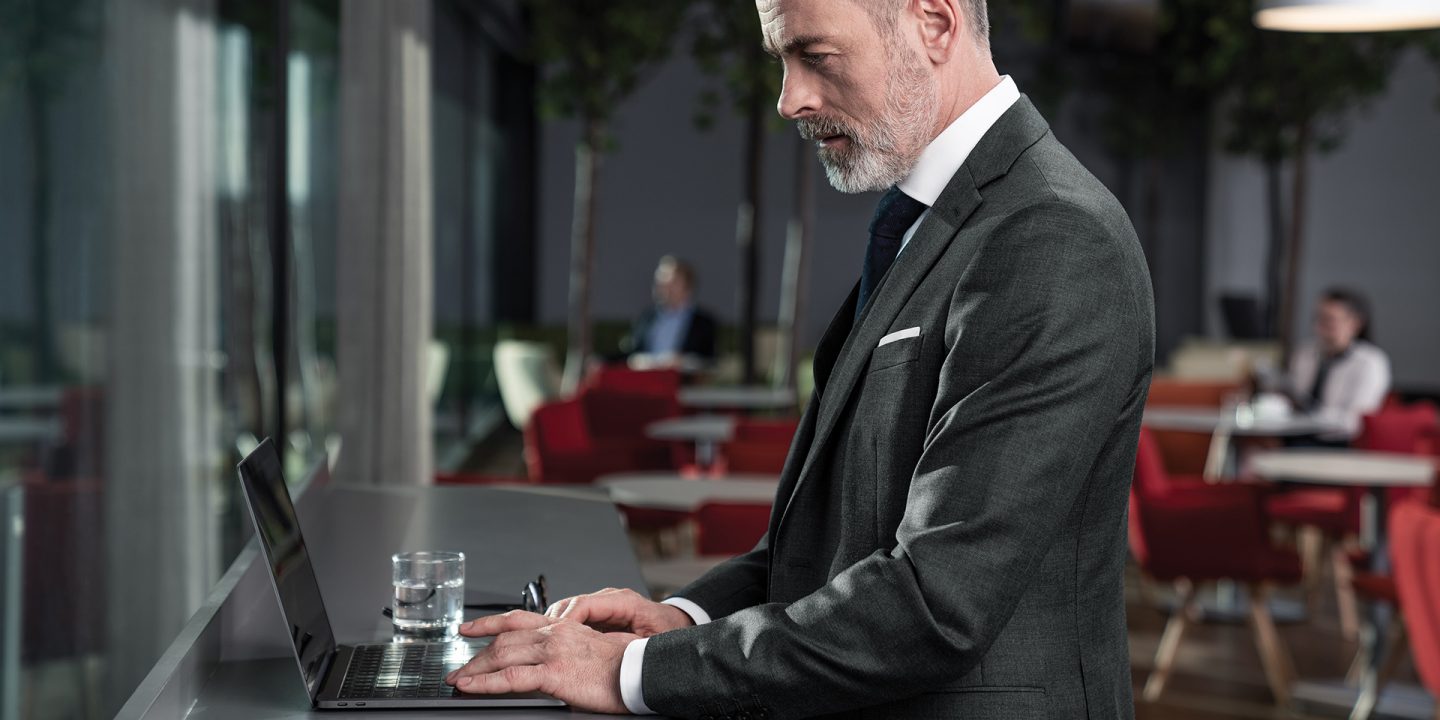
(331, 678)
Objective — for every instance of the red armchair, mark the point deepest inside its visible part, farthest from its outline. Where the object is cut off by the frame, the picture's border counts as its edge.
(729, 528)
(559, 447)
(1415, 549)
(1188, 533)
(759, 446)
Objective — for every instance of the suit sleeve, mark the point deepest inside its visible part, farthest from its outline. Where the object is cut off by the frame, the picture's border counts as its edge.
(1044, 339)
(738, 583)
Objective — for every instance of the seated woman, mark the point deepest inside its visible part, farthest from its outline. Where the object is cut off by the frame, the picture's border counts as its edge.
(1341, 375)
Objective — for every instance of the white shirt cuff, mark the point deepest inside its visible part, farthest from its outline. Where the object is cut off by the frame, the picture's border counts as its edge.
(630, 674)
(695, 612)
(633, 663)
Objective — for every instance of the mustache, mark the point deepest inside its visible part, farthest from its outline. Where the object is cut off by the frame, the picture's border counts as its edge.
(819, 128)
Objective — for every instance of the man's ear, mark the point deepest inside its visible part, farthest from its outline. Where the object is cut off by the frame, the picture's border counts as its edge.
(943, 27)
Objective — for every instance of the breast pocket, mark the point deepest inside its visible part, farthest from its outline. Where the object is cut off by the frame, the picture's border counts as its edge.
(896, 349)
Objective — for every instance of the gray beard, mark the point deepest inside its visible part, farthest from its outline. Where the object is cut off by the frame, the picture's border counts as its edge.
(883, 152)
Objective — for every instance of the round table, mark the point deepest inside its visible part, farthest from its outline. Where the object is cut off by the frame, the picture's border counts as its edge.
(672, 491)
(706, 431)
(1375, 472)
(1222, 426)
(736, 397)
(1201, 420)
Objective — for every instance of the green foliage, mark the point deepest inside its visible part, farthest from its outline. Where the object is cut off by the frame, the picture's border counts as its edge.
(1294, 89)
(727, 46)
(1278, 89)
(595, 52)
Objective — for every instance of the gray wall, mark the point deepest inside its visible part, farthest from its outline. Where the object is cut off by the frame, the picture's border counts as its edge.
(670, 188)
(1374, 215)
(1373, 223)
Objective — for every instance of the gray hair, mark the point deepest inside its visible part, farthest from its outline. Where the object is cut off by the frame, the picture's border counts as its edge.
(886, 12)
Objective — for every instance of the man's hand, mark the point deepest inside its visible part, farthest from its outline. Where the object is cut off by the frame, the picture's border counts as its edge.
(615, 610)
(531, 652)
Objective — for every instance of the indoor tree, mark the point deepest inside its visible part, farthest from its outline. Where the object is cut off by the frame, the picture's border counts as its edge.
(726, 46)
(593, 53)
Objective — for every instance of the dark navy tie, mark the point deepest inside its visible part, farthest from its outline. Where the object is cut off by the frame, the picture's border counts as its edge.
(893, 216)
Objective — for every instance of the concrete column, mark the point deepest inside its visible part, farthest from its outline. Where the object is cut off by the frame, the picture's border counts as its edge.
(383, 269)
(163, 435)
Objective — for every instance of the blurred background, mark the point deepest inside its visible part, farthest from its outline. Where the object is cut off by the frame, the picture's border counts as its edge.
(423, 240)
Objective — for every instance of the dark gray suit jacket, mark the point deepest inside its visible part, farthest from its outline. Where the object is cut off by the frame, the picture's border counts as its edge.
(949, 536)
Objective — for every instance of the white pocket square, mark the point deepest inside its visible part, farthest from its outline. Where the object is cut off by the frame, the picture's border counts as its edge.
(905, 334)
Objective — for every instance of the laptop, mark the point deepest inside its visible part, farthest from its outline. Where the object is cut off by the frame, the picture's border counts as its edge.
(378, 676)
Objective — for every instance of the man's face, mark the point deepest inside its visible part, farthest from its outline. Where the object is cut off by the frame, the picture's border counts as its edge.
(865, 97)
(671, 289)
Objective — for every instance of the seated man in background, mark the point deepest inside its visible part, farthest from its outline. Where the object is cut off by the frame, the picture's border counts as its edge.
(674, 331)
(1341, 375)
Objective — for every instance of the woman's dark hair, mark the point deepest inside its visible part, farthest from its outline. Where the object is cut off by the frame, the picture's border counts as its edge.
(1355, 303)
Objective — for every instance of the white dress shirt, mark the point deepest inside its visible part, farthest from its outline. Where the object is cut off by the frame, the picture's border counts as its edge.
(1355, 386)
(940, 160)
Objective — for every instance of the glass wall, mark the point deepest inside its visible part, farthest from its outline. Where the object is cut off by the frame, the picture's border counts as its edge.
(168, 244)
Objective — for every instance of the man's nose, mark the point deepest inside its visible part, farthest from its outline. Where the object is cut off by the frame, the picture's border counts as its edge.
(798, 98)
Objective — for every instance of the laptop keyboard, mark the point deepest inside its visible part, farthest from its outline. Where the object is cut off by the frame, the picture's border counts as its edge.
(400, 670)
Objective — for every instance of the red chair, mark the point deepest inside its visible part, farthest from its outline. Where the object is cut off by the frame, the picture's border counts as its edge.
(759, 446)
(1415, 549)
(729, 528)
(560, 449)
(665, 383)
(617, 419)
(1335, 512)
(1187, 533)
(63, 592)
(1186, 452)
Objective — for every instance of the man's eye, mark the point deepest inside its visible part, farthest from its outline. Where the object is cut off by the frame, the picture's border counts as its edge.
(813, 58)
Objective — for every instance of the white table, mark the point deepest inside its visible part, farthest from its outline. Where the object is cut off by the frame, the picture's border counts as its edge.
(1221, 426)
(736, 397)
(1374, 471)
(706, 431)
(672, 491)
(1202, 420)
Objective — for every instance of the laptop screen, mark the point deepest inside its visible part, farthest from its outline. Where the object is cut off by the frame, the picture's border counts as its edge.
(279, 531)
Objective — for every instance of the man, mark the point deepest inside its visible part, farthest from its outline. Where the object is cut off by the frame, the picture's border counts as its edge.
(949, 536)
(673, 328)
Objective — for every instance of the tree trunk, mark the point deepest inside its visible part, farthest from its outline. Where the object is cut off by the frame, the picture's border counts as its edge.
(582, 251)
(746, 228)
(792, 280)
(1295, 240)
(1276, 251)
(46, 369)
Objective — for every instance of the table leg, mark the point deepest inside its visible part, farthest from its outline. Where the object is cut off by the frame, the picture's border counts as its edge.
(1372, 638)
(705, 456)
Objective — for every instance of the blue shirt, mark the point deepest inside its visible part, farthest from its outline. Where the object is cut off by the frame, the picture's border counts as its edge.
(667, 332)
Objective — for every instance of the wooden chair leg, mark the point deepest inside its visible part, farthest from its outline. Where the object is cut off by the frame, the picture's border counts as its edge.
(1170, 641)
(1279, 670)
(1345, 600)
(1310, 545)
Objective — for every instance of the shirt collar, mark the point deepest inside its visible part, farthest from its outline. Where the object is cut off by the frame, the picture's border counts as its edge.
(943, 157)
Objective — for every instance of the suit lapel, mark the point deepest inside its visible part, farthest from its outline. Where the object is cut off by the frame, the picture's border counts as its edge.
(1020, 127)
(828, 351)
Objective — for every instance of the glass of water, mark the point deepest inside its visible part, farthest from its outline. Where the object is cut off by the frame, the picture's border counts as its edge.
(429, 594)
